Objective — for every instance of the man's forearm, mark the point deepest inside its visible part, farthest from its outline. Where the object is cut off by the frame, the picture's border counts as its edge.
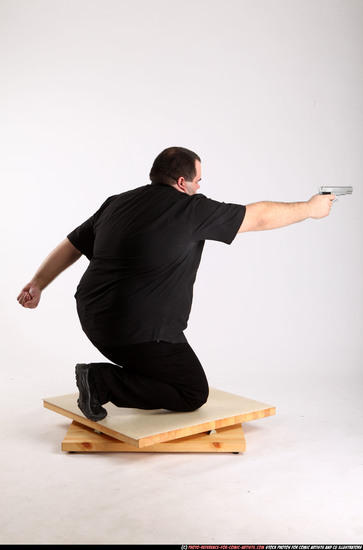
(279, 214)
(266, 215)
(64, 255)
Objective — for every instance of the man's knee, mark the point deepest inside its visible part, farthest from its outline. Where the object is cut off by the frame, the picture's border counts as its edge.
(195, 402)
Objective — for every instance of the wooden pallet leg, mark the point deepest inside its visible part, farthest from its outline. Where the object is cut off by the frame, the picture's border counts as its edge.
(81, 438)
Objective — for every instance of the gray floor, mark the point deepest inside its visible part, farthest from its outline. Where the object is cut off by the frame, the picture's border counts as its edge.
(300, 480)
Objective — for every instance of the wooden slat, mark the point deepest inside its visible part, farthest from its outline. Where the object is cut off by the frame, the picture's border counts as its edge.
(80, 438)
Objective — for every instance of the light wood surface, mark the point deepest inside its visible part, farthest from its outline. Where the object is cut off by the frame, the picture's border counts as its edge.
(80, 438)
(142, 428)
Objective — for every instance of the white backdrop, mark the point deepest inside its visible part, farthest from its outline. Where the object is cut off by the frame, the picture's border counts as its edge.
(268, 93)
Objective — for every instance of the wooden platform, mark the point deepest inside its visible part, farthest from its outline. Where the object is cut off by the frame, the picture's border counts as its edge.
(80, 438)
(215, 427)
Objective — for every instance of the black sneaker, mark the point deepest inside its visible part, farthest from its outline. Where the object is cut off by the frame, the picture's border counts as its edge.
(88, 400)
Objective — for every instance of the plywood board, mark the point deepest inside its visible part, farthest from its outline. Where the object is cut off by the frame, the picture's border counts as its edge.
(80, 438)
(142, 428)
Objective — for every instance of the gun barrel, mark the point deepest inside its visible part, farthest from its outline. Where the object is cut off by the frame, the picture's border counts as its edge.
(335, 190)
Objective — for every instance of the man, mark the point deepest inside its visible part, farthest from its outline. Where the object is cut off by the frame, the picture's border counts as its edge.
(135, 297)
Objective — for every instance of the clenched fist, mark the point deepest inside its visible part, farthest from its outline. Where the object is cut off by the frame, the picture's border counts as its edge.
(320, 205)
(30, 295)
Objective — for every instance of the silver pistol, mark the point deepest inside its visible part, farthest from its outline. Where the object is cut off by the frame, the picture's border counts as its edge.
(335, 190)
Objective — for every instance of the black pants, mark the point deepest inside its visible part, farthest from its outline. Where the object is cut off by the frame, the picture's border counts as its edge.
(152, 375)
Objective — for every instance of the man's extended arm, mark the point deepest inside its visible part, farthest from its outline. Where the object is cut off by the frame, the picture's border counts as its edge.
(272, 215)
(64, 255)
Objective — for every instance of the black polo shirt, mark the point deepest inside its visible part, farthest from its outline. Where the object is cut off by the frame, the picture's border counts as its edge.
(144, 248)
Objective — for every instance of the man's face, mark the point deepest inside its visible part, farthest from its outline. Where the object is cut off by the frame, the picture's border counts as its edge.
(191, 187)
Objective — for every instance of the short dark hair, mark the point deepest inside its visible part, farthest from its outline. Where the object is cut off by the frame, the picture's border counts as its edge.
(172, 164)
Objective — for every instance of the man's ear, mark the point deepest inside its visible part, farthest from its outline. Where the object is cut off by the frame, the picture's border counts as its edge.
(181, 184)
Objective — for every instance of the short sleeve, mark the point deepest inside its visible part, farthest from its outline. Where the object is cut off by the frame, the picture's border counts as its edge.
(216, 221)
(83, 237)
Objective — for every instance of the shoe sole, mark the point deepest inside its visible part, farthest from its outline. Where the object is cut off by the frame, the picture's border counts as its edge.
(84, 402)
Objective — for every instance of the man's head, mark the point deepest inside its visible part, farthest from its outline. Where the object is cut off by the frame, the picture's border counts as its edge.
(178, 167)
